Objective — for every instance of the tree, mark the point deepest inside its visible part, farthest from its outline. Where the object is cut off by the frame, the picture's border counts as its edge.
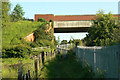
(78, 42)
(64, 42)
(5, 13)
(70, 41)
(58, 39)
(42, 20)
(17, 13)
(102, 31)
(55, 41)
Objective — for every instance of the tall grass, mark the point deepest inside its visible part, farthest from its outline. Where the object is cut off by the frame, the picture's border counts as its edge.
(9, 71)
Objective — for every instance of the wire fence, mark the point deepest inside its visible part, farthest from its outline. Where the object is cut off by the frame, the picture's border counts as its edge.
(103, 59)
(37, 66)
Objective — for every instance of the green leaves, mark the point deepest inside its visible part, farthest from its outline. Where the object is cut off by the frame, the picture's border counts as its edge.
(64, 42)
(18, 51)
(17, 13)
(5, 11)
(43, 38)
(102, 31)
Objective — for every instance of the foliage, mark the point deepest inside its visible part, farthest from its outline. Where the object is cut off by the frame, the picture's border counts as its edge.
(42, 37)
(15, 52)
(70, 41)
(55, 41)
(5, 13)
(15, 32)
(40, 33)
(52, 22)
(66, 68)
(17, 13)
(12, 71)
(64, 42)
(102, 31)
(42, 20)
(58, 39)
(78, 42)
(43, 42)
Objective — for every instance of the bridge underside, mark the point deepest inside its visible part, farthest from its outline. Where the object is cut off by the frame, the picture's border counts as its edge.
(71, 30)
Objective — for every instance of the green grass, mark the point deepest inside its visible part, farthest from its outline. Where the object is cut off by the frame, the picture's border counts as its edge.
(12, 72)
(65, 68)
(11, 61)
(54, 68)
(35, 52)
(14, 32)
(0, 68)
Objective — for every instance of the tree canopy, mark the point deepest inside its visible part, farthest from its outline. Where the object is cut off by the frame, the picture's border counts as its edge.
(5, 13)
(17, 13)
(102, 32)
(64, 42)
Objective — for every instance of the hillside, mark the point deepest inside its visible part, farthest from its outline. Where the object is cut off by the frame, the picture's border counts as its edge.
(14, 44)
(15, 32)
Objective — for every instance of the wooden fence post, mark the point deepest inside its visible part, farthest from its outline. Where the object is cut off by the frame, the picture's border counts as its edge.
(36, 69)
(26, 76)
(29, 75)
(20, 70)
(46, 55)
(51, 55)
(43, 57)
(40, 61)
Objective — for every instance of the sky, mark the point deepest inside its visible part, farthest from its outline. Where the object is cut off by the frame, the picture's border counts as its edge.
(73, 7)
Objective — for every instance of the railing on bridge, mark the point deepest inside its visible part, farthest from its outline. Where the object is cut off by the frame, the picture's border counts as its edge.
(64, 48)
(105, 59)
(68, 24)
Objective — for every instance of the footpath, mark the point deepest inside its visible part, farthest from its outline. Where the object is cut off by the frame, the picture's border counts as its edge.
(65, 68)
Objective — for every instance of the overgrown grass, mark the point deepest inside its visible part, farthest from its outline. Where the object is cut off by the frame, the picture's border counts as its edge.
(10, 67)
(54, 68)
(9, 71)
(65, 68)
(11, 61)
(36, 52)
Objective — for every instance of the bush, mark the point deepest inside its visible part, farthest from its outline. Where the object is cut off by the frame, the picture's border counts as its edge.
(103, 32)
(15, 52)
(42, 20)
(42, 42)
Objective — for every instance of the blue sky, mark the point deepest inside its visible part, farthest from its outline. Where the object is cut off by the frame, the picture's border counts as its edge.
(66, 8)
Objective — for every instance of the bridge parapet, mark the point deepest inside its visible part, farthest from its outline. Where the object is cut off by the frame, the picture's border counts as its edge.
(72, 24)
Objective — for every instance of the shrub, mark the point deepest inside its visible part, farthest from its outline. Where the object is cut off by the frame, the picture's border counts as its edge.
(42, 20)
(15, 52)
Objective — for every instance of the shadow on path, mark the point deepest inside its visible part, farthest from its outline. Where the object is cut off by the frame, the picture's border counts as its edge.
(65, 68)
